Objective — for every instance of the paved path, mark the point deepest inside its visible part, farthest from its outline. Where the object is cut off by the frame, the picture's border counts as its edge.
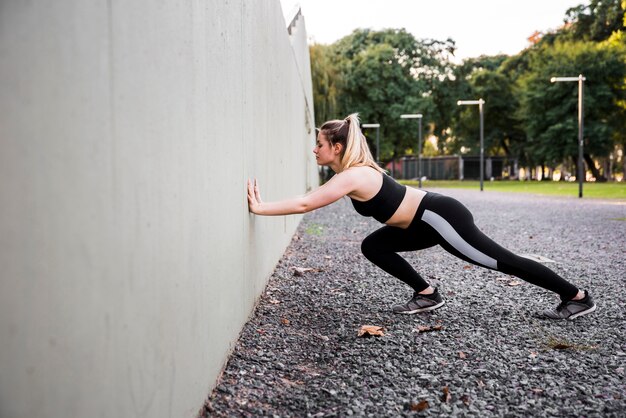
(299, 355)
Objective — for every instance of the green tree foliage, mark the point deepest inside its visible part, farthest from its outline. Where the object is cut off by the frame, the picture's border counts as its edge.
(483, 78)
(325, 77)
(503, 135)
(595, 22)
(383, 74)
(549, 110)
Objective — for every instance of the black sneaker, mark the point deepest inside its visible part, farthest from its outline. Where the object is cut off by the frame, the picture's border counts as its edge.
(571, 309)
(420, 303)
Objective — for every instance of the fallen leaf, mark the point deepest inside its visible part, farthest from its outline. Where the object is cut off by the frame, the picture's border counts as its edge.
(299, 271)
(284, 321)
(465, 399)
(467, 267)
(533, 354)
(420, 406)
(514, 283)
(537, 391)
(260, 331)
(446, 397)
(561, 346)
(480, 383)
(462, 355)
(371, 330)
(428, 328)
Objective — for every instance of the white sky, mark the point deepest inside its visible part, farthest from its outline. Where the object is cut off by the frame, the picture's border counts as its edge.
(479, 27)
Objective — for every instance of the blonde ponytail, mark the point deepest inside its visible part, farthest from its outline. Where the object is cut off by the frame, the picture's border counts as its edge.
(348, 132)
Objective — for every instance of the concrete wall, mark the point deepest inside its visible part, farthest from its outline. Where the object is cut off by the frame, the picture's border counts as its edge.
(128, 259)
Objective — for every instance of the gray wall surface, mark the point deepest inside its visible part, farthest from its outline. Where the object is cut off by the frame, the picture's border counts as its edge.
(128, 259)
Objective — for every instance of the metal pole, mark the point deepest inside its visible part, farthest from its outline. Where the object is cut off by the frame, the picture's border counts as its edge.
(377, 126)
(581, 88)
(419, 155)
(482, 144)
(378, 145)
(581, 170)
(480, 103)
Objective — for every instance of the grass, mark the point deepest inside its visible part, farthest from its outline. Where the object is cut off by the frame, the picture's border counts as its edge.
(555, 188)
(314, 229)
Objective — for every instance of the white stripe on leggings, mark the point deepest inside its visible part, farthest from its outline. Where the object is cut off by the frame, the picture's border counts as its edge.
(453, 238)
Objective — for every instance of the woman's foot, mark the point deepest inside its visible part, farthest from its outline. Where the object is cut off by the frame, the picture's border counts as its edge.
(571, 309)
(420, 303)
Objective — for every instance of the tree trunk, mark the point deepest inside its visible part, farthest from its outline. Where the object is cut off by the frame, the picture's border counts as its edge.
(624, 162)
(594, 170)
(608, 168)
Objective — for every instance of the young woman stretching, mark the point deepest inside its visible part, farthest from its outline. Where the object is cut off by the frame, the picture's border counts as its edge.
(414, 220)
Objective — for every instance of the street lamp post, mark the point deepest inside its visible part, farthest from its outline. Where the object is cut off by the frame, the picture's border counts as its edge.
(581, 92)
(417, 116)
(377, 126)
(480, 103)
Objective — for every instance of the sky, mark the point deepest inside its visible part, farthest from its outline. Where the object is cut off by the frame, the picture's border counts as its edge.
(479, 27)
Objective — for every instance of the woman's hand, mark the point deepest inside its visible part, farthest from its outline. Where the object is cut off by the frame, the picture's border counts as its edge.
(254, 196)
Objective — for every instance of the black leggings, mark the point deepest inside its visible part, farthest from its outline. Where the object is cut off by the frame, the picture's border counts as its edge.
(445, 221)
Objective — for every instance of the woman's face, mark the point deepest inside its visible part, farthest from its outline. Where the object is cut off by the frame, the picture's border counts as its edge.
(324, 151)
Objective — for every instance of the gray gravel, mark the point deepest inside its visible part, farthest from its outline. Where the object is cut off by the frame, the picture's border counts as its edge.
(299, 354)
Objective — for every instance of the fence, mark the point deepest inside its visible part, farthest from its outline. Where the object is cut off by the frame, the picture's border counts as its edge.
(457, 168)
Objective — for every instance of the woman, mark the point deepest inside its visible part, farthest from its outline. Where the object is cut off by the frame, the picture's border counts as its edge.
(414, 220)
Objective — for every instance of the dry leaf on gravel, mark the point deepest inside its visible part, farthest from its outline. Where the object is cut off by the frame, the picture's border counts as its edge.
(299, 271)
(284, 321)
(420, 406)
(371, 330)
(462, 355)
(446, 396)
(514, 283)
(428, 328)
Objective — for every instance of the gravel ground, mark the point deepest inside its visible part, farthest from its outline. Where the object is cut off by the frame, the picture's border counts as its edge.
(299, 355)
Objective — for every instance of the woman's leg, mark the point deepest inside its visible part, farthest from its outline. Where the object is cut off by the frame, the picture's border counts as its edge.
(460, 236)
(381, 248)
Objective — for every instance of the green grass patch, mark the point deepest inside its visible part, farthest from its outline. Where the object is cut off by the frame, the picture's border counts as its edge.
(314, 229)
(555, 188)
(618, 219)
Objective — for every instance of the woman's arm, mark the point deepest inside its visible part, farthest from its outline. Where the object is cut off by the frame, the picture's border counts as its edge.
(336, 188)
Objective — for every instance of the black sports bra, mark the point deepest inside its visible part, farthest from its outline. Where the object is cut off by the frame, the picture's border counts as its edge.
(385, 203)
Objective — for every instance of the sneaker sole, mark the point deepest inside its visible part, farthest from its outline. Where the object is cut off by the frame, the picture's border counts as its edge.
(430, 308)
(588, 311)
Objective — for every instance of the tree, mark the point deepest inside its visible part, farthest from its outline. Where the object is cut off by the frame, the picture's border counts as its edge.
(482, 78)
(549, 110)
(325, 77)
(388, 73)
(595, 22)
